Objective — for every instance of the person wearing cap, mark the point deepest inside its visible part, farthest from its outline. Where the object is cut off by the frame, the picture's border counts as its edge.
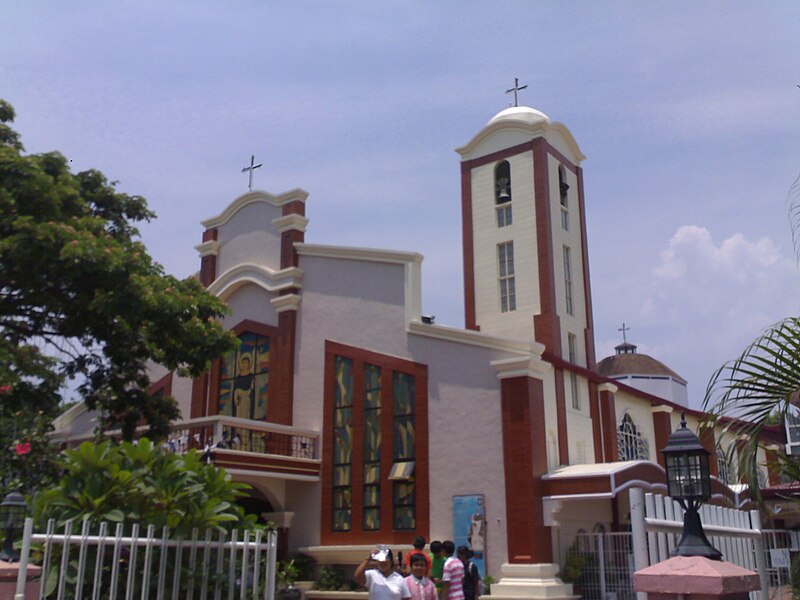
(377, 574)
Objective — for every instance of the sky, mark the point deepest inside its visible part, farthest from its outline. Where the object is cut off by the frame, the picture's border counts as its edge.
(688, 114)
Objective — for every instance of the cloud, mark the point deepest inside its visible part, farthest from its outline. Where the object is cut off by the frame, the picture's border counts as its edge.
(704, 301)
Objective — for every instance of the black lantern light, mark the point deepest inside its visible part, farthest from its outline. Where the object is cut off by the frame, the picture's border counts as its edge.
(12, 517)
(689, 482)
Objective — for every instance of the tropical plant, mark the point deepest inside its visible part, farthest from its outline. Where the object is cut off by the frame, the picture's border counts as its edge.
(761, 387)
(143, 483)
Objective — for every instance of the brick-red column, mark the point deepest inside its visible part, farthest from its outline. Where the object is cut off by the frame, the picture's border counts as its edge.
(709, 441)
(208, 263)
(662, 426)
(608, 423)
(525, 461)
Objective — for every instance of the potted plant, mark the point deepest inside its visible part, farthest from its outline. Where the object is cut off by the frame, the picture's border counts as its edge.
(305, 571)
(574, 565)
(285, 576)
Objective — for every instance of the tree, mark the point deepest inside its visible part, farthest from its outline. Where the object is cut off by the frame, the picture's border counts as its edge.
(762, 385)
(81, 298)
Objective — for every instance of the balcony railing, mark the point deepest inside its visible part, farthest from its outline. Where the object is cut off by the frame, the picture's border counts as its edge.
(211, 434)
(243, 435)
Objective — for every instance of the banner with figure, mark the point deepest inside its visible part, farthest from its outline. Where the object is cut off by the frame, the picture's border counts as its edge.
(469, 527)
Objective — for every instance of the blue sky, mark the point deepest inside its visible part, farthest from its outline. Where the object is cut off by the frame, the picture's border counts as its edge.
(688, 113)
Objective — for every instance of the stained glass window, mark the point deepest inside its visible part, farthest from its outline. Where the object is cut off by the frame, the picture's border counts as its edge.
(244, 379)
(372, 448)
(342, 444)
(404, 514)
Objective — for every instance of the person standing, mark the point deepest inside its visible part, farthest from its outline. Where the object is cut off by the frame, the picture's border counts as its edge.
(453, 575)
(437, 564)
(472, 577)
(419, 585)
(380, 579)
(419, 549)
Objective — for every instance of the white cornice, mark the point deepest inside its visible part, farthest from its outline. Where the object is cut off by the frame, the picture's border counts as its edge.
(286, 302)
(366, 254)
(523, 366)
(272, 281)
(474, 338)
(290, 222)
(539, 129)
(661, 408)
(209, 248)
(251, 197)
(607, 387)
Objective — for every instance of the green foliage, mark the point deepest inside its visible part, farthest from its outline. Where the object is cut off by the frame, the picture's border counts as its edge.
(759, 388)
(286, 573)
(80, 296)
(574, 564)
(141, 483)
(305, 566)
(332, 579)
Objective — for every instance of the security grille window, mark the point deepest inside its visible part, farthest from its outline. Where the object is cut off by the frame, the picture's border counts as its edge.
(572, 345)
(630, 443)
(505, 259)
(568, 279)
(793, 433)
(342, 444)
(563, 188)
(726, 465)
(502, 193)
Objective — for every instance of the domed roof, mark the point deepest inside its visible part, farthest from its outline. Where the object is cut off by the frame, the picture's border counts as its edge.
(522, 114)
(635, 364)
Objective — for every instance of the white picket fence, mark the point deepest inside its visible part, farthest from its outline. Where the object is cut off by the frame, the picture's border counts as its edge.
(96, 563)
(657, 522)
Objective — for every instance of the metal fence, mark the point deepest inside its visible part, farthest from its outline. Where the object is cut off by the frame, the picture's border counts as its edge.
(95, 563)
(608, 560)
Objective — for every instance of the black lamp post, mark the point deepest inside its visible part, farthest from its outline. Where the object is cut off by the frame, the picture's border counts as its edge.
(12, 517)
(689, 482)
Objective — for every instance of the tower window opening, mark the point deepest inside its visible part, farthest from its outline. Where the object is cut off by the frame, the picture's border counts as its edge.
(563, 188)
(505, 260)
(572, 346)
(568, 280)
(502, 193)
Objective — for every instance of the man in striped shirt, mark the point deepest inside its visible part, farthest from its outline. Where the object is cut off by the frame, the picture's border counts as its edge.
(453, 576)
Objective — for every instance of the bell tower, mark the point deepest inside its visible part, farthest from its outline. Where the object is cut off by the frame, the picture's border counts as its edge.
(526, 271)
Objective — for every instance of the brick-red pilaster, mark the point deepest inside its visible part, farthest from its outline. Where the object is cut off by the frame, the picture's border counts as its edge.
(547, 325)
(208, 263)
(709, 441)
(468, 249)
(199, 393)
(662, 427)
(525, 461)
(587, 287)
(282, 411)
(608, 422)
(594, 413)
(561, 417)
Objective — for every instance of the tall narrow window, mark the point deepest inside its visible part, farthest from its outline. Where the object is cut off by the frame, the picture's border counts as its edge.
(244, 379)
(505, 259)
(372, 448)
(568, 279)
(630, 442)
(403, 454)
(342, 444)
(572, 345)
(502, 193)
(563, 188)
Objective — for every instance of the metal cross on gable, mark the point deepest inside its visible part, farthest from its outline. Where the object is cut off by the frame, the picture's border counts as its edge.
(515, 89)
(624, 329)
(253, 166)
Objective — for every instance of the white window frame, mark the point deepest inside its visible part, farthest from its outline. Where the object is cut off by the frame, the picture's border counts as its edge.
(568, 280)
(505, 277)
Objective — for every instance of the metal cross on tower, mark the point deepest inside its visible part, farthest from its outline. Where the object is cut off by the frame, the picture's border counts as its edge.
(516, 89)
(251, 168)
(624, 329)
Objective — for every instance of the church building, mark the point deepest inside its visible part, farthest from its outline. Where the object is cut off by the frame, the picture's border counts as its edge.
(345, 408)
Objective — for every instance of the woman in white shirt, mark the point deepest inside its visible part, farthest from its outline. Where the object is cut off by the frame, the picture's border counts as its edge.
(377, 574)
